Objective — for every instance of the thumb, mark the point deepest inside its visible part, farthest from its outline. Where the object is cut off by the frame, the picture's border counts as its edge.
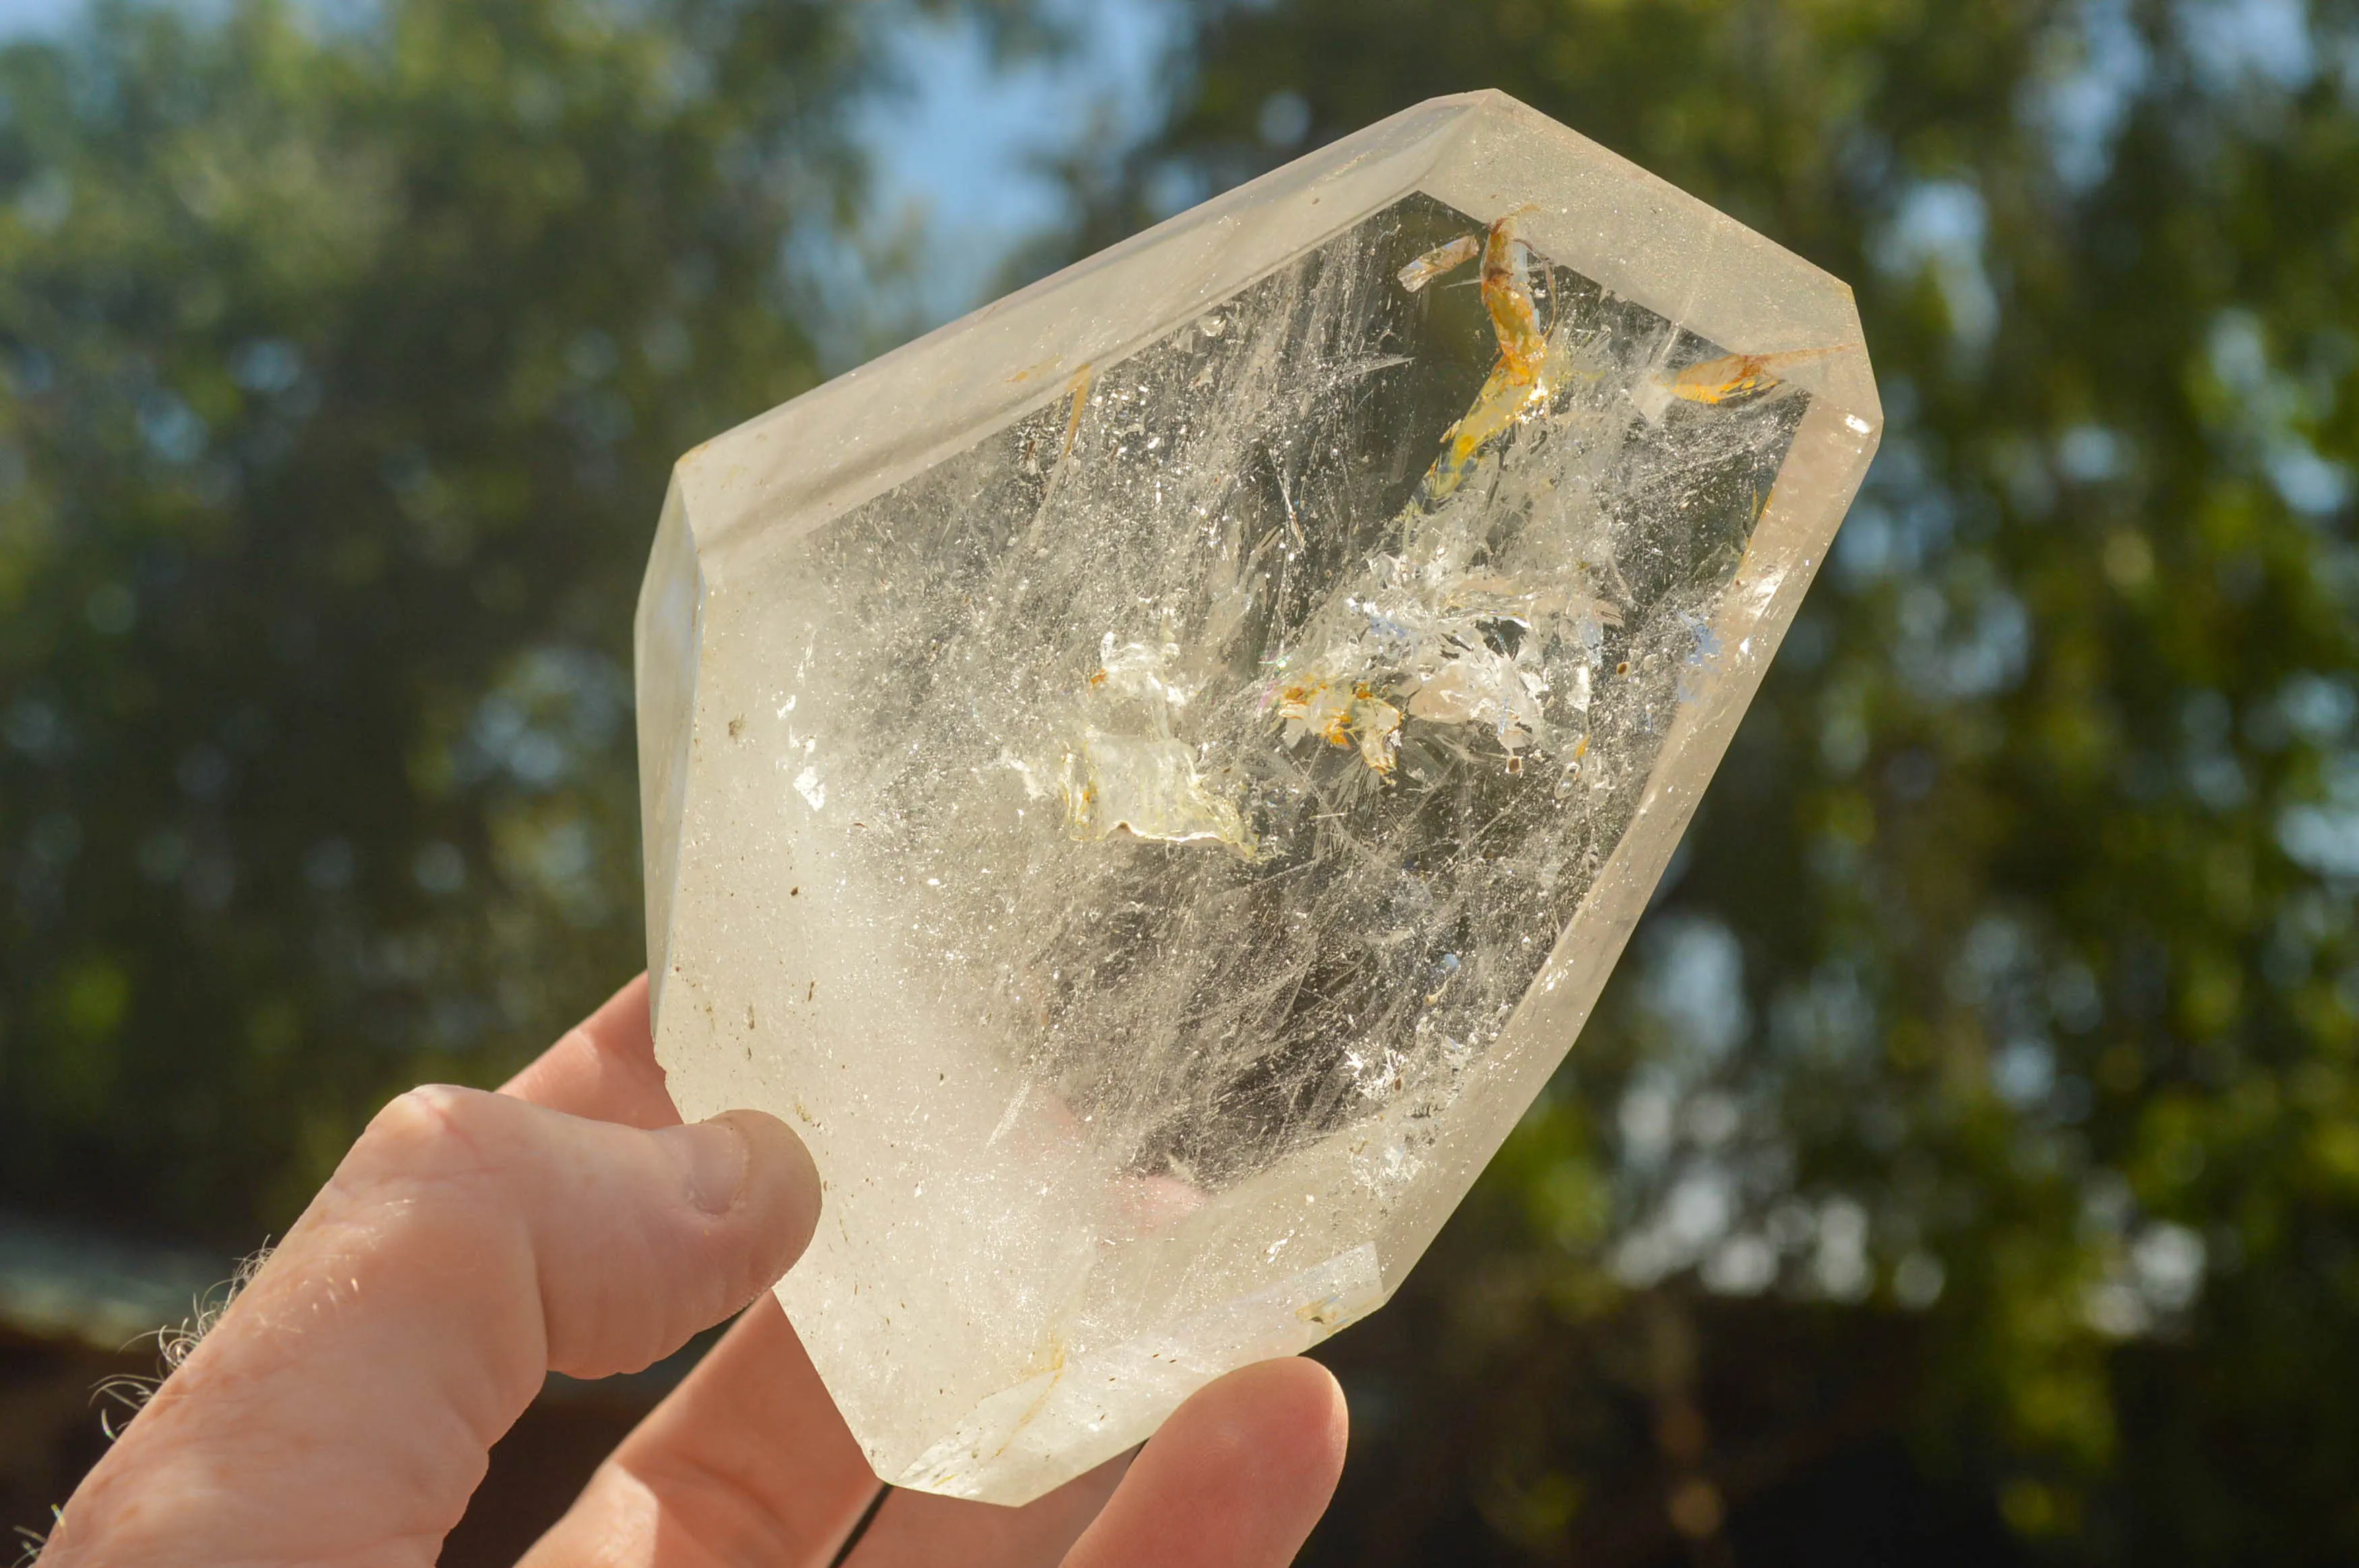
(467, 1245)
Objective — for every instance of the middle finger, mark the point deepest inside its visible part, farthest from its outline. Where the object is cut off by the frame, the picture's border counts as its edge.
(746, 1462)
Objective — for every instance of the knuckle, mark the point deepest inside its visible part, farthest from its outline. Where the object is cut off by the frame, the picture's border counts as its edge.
(431, 1132)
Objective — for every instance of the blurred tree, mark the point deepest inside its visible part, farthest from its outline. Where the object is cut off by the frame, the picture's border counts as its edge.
(345, 352)
(1986, 1070)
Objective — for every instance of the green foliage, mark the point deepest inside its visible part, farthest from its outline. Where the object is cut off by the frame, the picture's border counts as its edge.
(2033, 866)
(344, 367)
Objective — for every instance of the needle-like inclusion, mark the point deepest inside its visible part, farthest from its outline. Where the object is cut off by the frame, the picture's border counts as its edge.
(1149, 780)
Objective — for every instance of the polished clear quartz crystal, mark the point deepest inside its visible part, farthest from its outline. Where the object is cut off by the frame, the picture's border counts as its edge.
(1148, 779)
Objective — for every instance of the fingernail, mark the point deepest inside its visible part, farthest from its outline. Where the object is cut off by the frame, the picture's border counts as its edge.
(712, 1154)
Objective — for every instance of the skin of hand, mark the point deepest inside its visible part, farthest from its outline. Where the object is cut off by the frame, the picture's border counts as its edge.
(339, 1413)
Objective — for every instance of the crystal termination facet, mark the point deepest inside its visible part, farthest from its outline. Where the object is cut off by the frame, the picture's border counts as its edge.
(1149, 779)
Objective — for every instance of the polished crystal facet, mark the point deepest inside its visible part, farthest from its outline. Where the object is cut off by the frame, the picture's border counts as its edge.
(1149, 779)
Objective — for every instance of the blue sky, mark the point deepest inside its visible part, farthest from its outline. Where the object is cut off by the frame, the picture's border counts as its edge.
(21, 15)
(964, 143)
(963, 152)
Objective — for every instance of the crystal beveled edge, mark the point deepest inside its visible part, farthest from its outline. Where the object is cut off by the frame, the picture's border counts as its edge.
(1644, 240)
(1483, 152)
(667, 627)
(877, 425)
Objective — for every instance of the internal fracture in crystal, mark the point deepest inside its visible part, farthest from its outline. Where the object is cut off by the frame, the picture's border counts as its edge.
(1149, 780)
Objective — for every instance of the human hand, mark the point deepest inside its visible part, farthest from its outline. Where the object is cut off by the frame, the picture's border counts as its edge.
(341, 1410)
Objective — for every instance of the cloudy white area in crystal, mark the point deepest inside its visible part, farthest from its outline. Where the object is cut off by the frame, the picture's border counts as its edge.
(1153, 841)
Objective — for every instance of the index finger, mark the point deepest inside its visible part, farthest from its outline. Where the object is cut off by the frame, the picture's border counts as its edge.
(603, 1068)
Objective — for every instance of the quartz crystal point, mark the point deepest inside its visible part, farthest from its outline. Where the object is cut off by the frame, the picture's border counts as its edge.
(1149, 779)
